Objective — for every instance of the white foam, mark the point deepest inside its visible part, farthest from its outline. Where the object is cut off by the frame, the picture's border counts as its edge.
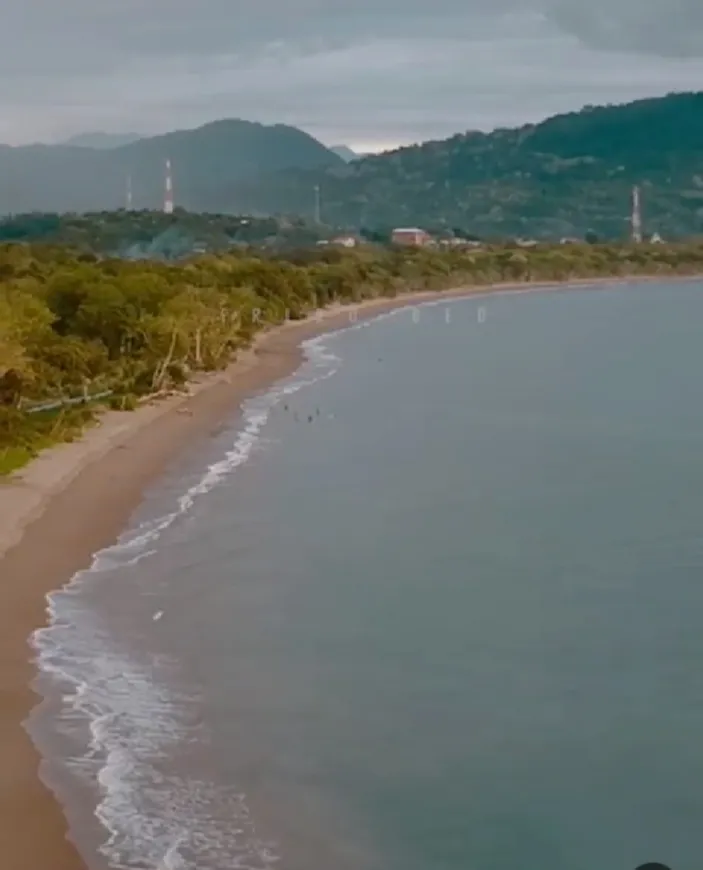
(136, 719)
(137, 544)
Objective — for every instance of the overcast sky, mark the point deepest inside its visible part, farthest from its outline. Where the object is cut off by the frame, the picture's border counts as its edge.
(369, 73)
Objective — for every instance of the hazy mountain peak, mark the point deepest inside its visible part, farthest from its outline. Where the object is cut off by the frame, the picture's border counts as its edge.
(102, 140)
(206, 163)
(345, 152)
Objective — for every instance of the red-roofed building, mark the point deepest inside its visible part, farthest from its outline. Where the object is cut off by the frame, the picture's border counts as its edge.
(413, 236)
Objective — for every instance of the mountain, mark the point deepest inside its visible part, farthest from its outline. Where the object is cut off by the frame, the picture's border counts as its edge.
(103, 140)
(344, 152)
(206, 162)
(566, 176)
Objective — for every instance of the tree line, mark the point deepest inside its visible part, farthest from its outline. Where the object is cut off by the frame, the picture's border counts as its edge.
(156, 235)
(73, 324)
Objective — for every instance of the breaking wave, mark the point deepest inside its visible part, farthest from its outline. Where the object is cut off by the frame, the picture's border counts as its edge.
(137, 721)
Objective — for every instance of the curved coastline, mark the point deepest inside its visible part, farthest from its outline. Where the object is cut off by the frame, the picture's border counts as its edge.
(75, 499)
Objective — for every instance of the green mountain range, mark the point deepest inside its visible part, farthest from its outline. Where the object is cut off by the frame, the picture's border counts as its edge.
(564, 177)
(205, 162)
(569, 176)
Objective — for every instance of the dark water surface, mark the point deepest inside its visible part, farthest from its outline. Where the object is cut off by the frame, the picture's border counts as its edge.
(455, 620)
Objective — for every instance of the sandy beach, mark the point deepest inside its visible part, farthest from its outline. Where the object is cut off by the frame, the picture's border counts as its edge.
(75, 499)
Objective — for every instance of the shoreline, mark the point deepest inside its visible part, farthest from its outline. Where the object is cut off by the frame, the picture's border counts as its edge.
(75, 499)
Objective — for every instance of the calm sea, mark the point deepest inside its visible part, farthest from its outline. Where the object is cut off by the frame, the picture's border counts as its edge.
(436, 602)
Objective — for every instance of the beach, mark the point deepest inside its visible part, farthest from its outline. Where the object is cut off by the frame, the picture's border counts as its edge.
(74, 500)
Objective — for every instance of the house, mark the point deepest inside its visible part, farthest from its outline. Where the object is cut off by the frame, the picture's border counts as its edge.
(412, 236)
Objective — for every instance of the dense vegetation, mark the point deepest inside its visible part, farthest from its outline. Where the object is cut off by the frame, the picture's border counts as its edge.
(561, 178)
(206, 163)
(73, 325)
(155, 235)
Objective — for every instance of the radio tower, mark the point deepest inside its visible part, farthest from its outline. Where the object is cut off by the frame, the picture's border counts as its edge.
(636, 216)
(128, 196)
(168, 197)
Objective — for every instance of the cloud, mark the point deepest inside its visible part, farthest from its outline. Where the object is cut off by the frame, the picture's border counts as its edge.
(379, 71)
(668, 29)
(113, 29)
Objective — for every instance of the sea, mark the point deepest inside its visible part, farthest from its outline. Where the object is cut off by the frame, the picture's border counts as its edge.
(433, 602)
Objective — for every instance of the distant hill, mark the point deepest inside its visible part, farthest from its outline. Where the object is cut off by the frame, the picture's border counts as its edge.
(560, 178)
(344, 152)
(103, 140)
(206, 162)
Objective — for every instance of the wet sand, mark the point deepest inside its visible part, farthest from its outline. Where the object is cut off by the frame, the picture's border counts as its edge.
(74, 500)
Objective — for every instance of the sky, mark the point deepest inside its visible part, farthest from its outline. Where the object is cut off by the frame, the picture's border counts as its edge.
(372, 74)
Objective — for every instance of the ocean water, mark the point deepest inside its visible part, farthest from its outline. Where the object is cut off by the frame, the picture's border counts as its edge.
(433, 602)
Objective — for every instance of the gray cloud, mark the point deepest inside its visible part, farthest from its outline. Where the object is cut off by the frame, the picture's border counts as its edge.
(670, 29)
(103, 32)
(369, 71)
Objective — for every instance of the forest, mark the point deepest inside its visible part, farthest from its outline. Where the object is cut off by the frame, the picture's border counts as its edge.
(151, 235)
(79, 332)
(561, 178)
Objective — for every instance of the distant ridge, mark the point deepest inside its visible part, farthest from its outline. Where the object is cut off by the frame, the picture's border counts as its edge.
(206, 162)
(102, 140)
